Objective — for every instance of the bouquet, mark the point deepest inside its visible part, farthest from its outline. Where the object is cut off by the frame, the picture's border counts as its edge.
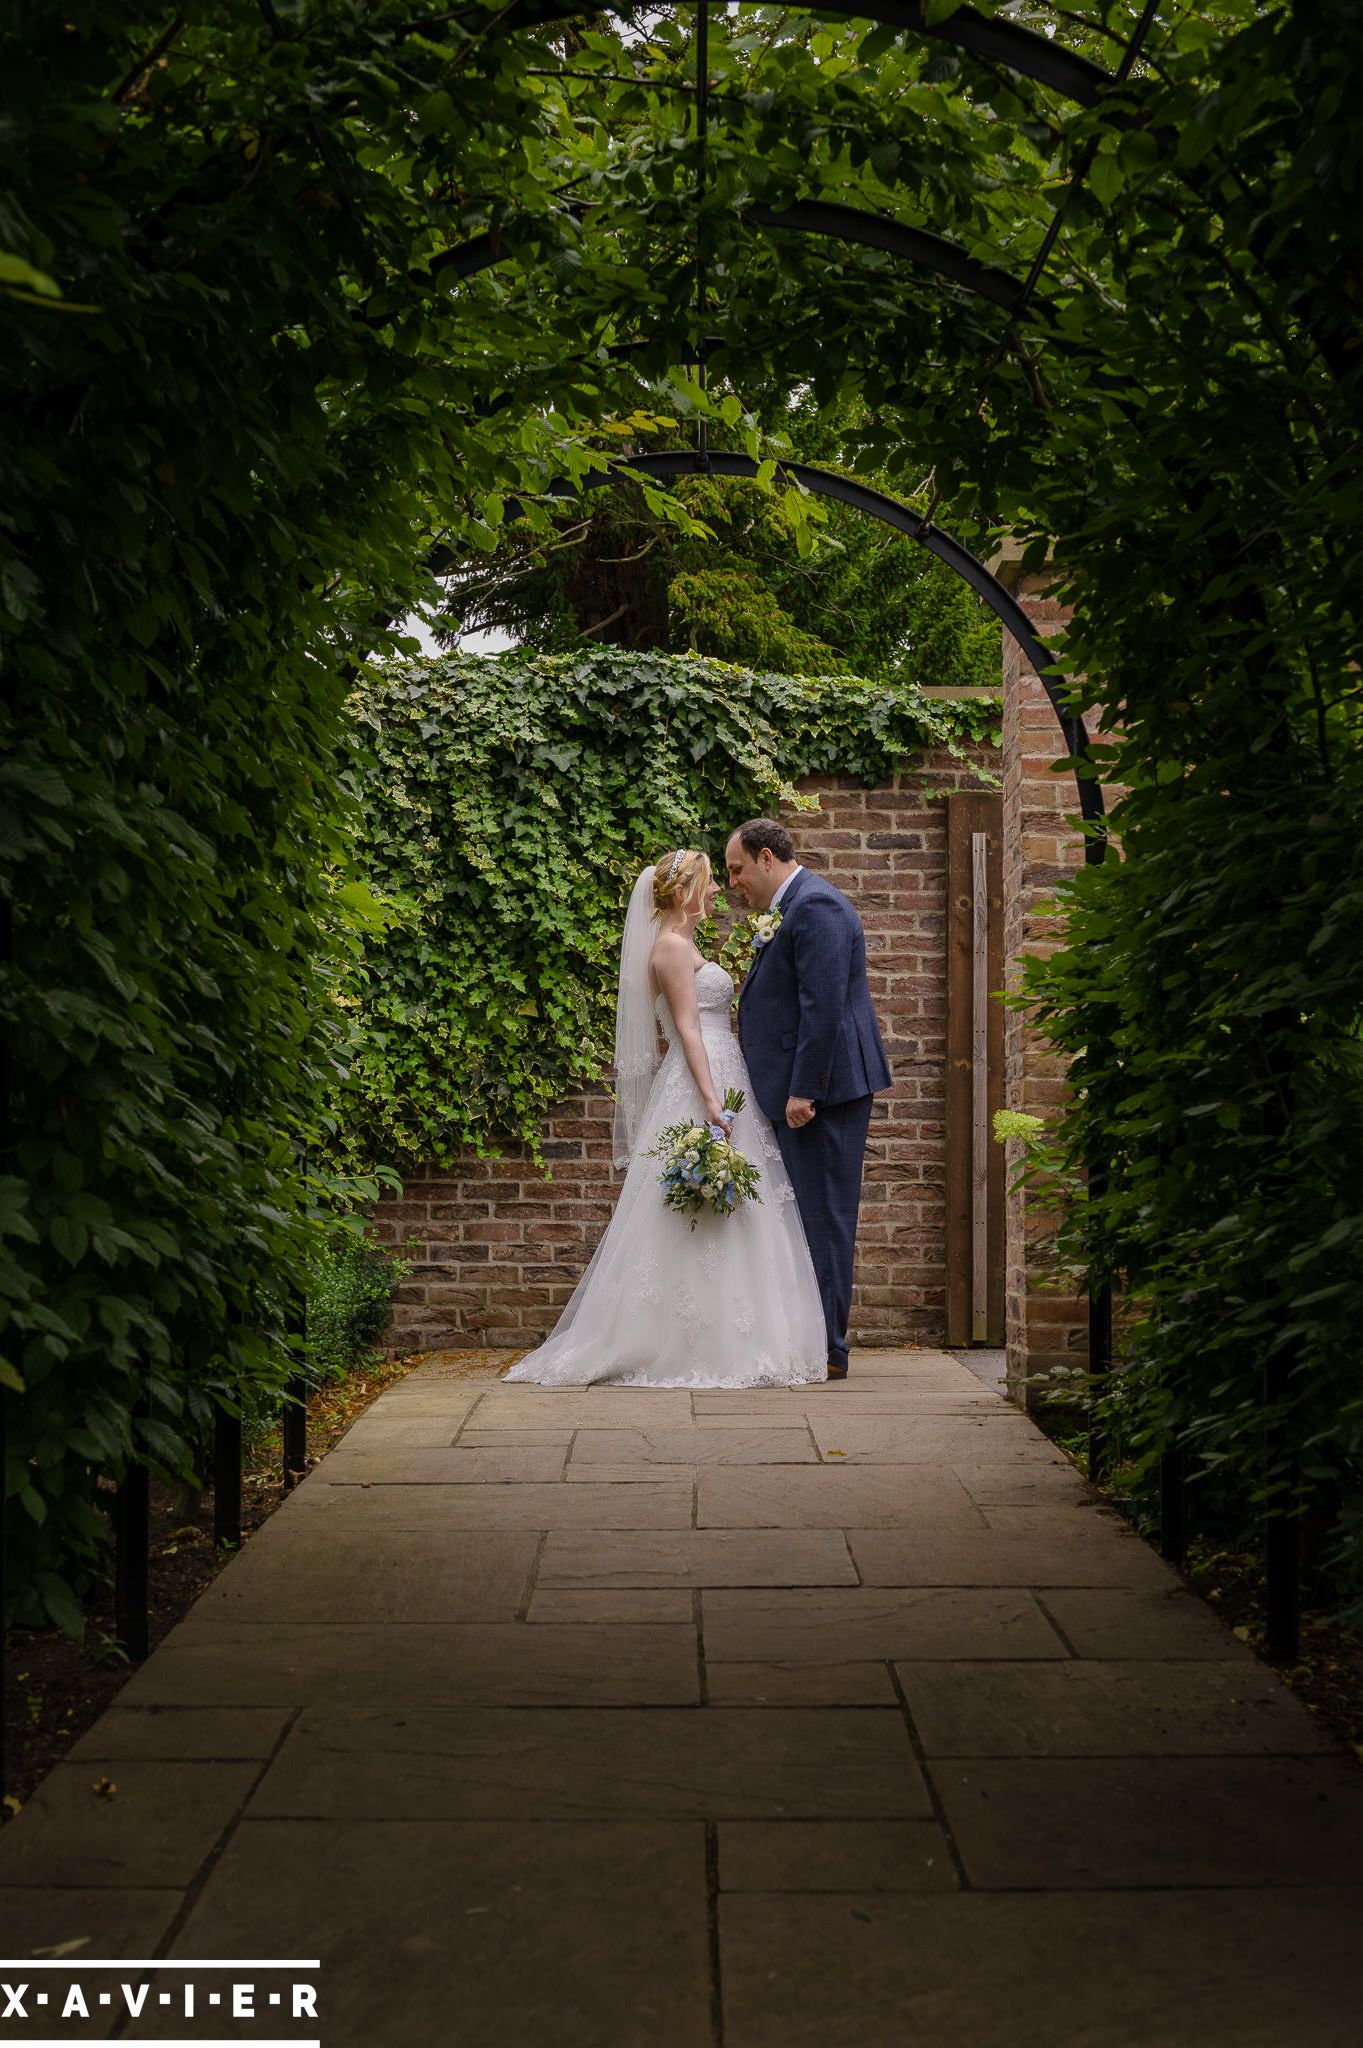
(702, 1170)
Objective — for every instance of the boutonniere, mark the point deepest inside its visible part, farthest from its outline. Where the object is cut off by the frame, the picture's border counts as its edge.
(746, 940)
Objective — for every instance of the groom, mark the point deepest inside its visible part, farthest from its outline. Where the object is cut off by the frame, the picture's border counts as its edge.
(813, 1049)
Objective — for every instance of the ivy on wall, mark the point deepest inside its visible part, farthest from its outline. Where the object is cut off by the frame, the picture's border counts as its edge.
(508, 805)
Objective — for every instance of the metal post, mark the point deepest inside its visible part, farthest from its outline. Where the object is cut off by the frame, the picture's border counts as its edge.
(4, 1562)
(1282, 1532)
(1173, 1505)
(6, 1148)
(295, 1431)
(979, 1088)
(227, 1478)
(294, 1425)
(1282, 1629)
(132, 1538)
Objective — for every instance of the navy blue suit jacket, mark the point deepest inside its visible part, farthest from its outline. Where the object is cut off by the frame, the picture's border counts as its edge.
(805, 1020)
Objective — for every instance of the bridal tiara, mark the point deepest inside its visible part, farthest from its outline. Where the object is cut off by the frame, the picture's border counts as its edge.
(678, 857)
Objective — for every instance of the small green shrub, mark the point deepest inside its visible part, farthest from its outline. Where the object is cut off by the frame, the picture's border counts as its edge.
(350, 1296)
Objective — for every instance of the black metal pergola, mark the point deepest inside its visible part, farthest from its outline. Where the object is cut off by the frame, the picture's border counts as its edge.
(997, 43)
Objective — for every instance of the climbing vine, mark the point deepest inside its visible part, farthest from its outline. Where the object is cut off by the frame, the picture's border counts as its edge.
(508, 803)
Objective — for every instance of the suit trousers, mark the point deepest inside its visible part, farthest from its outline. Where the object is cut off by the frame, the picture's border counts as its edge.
(824, 1159)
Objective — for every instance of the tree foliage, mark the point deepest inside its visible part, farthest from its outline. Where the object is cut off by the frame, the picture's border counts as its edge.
(508, 804)
(746, 580)
(244, 412)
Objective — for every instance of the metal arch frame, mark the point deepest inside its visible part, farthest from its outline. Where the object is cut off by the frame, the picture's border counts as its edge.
(825, 483)
(1064, 71)
(997, 42)
(921, 247)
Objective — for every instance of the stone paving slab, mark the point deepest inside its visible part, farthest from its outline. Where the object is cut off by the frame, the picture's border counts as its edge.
(835, 1856)
(1164, 1622)
(112, 1924)
(658, 1503)
(957, 1440)
(451, 1465)
(219, 1733)
(472, 1438)
(746, 1420)
(435, 1933)
(414, 1399)
(800, 1685)
(824, 1497)
(1010, 1483)
(624, 1448)
(151, 1831)
(1092, 1709)
(1185, 1969)
(872, 1397)
(1048, 1823)
(378, 1574)
(381, 1427)
(592, 1408)
(566, 1763)
(698, 1557)
(997, 1557)
(495, 1664)
(631, 1604)
(835, 1626)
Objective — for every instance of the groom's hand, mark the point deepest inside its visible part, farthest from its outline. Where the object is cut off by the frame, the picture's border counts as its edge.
(799, 1111)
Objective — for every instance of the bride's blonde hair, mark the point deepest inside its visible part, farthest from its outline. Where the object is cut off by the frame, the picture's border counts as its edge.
(680, 881)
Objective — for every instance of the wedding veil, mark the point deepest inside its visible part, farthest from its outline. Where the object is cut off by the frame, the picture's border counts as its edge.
(636, 1026)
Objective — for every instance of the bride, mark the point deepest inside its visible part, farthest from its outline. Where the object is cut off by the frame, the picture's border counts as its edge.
(735, 1302)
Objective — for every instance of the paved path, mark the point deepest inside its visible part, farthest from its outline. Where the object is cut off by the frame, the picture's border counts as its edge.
(833, 1716)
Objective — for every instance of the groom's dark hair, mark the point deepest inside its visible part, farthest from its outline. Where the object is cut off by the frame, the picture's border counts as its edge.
(760, 832)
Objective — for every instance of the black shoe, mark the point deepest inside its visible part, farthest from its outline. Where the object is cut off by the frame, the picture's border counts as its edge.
(836, 1371)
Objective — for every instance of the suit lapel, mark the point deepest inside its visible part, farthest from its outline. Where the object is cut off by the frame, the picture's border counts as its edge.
(787, 900)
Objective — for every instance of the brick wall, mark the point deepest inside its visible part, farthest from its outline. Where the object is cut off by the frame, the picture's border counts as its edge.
(500, 1247)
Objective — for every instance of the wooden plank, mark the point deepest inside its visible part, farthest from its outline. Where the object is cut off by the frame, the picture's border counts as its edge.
(996, 1320)
(979, 1087)
(958, 1068)
(974, 1163)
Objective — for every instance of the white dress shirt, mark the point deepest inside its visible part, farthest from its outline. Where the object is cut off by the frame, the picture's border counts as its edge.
(775, 903)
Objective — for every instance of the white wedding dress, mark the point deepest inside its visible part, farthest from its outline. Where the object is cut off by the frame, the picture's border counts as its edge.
(733, 1303)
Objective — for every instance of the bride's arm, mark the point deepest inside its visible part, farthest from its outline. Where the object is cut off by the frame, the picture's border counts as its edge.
(674, 965)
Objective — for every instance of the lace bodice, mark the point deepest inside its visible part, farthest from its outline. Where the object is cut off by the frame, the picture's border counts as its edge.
(714, 999)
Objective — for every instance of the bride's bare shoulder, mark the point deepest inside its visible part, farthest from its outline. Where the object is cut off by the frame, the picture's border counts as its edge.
(671, 964)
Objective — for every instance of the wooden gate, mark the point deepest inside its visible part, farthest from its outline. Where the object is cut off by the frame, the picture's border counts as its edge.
(974, 1159)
